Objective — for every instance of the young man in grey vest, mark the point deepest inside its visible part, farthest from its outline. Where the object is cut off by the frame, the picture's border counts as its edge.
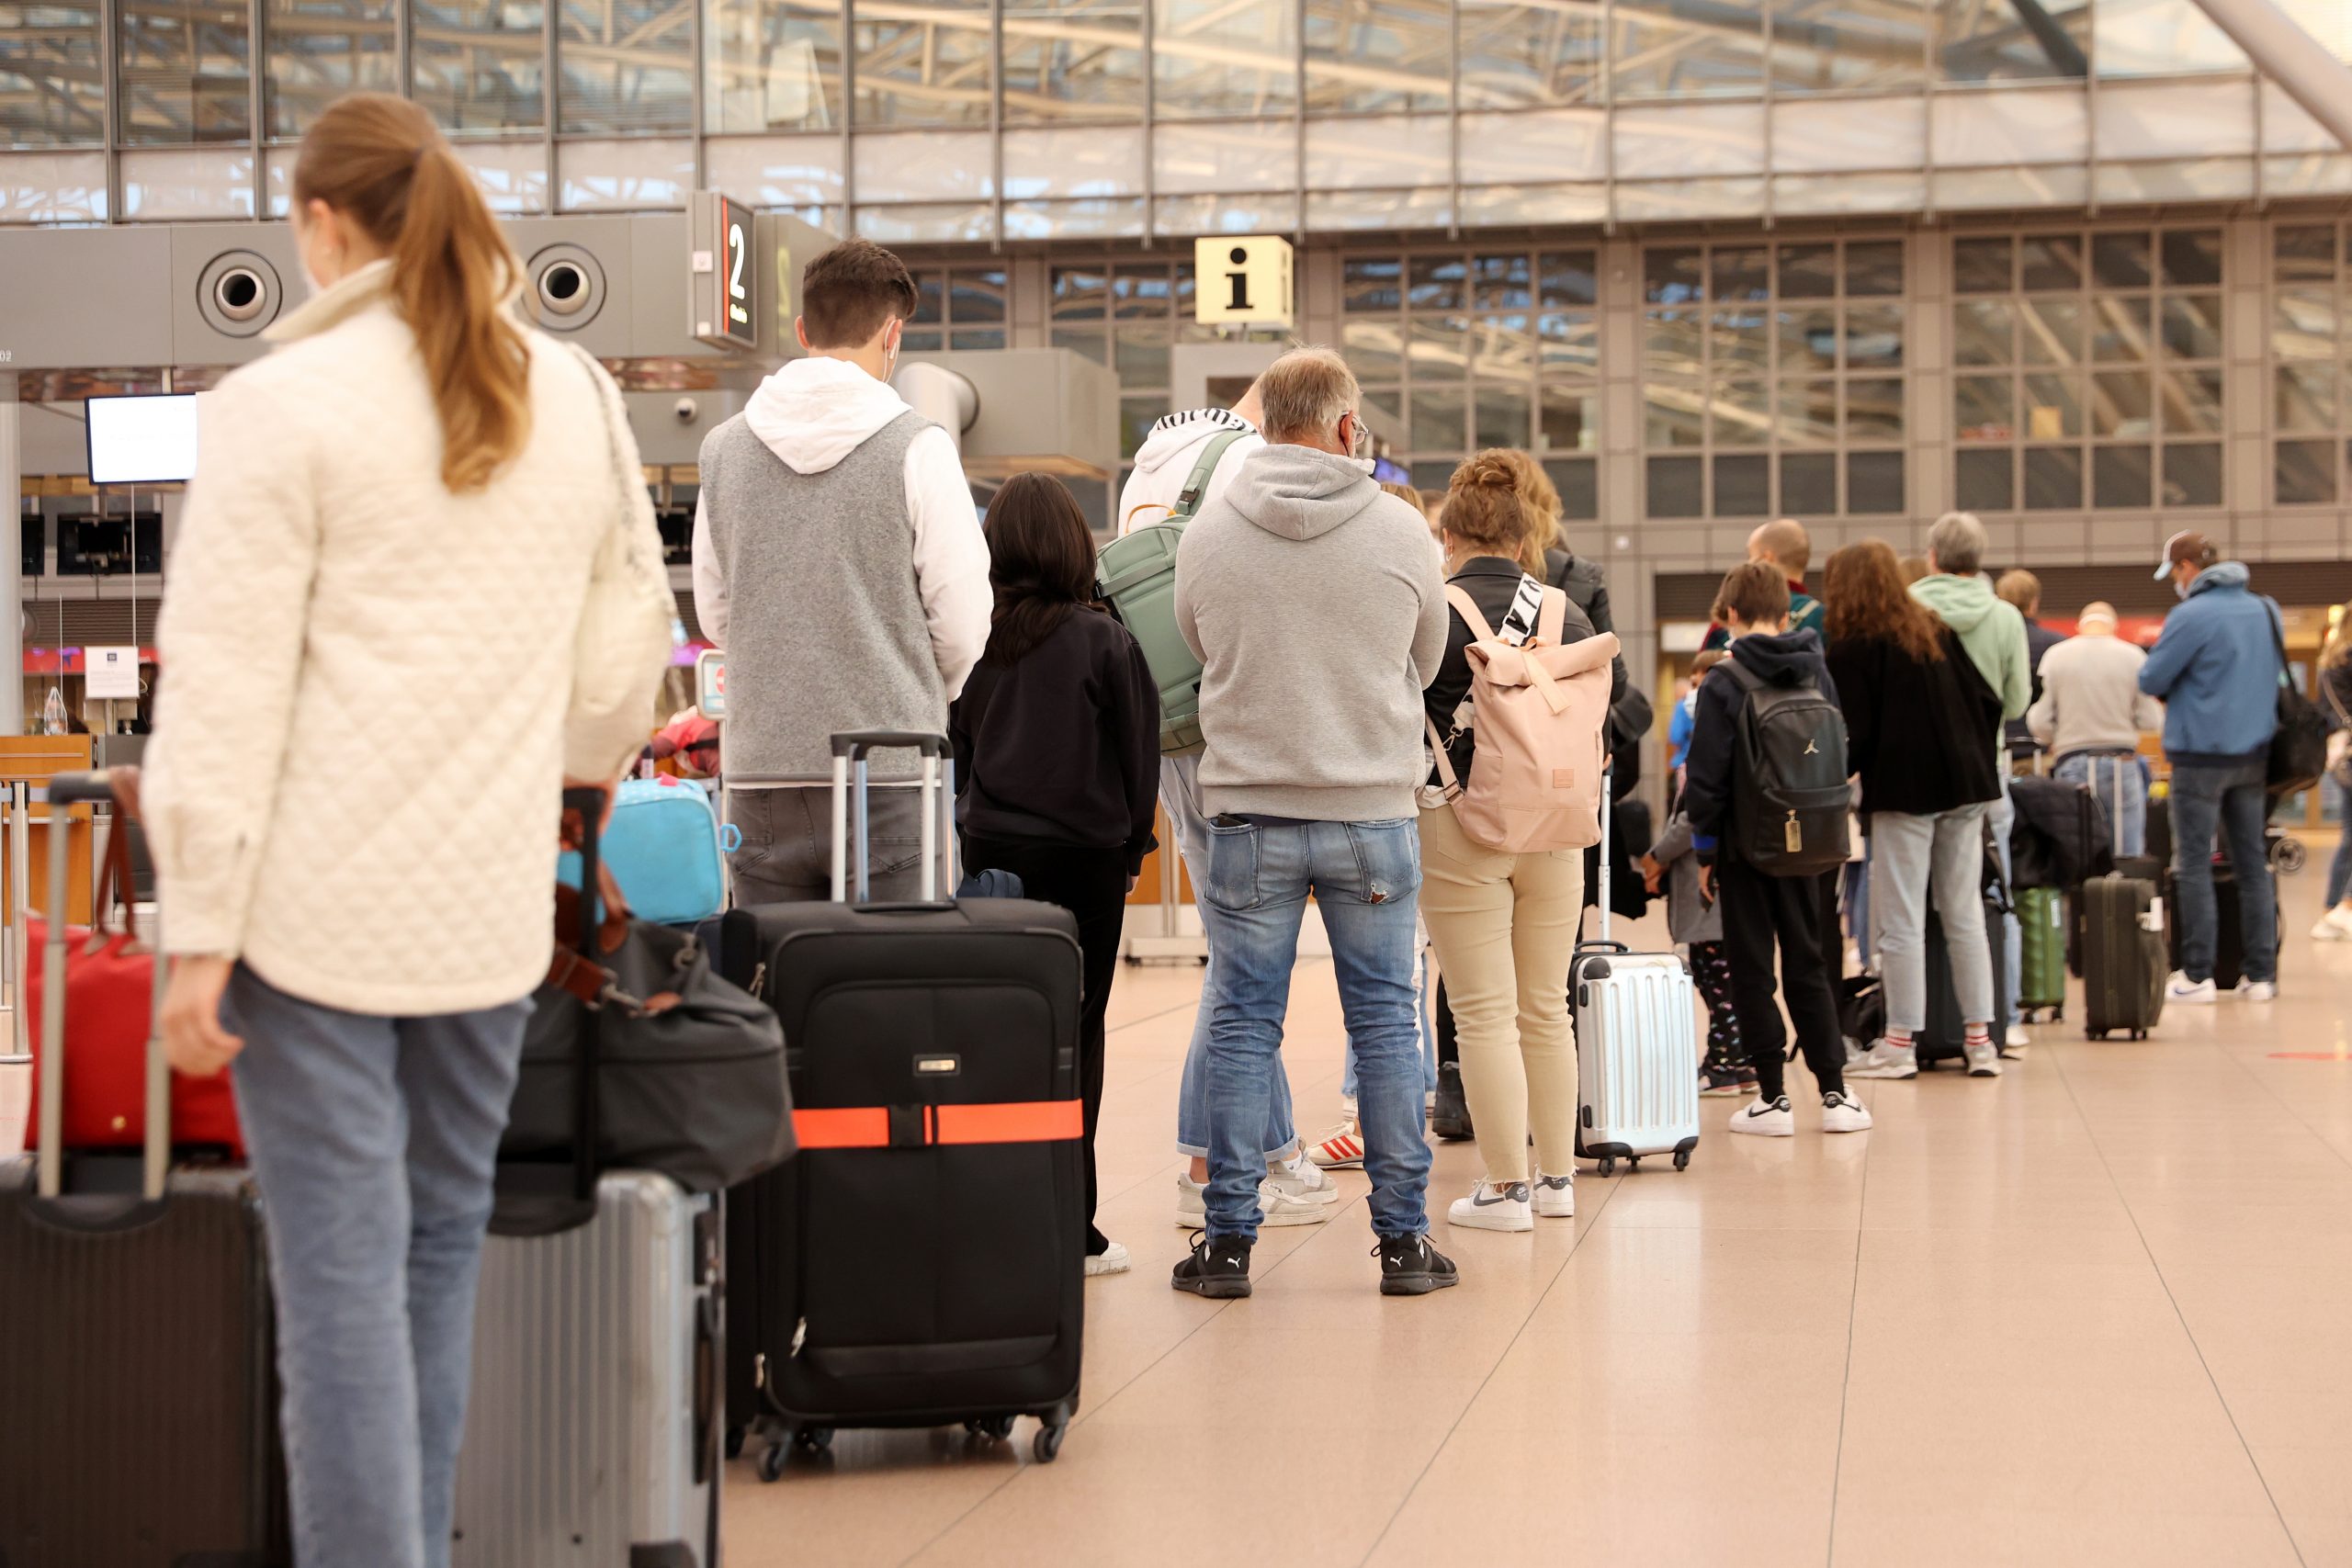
(839, 564)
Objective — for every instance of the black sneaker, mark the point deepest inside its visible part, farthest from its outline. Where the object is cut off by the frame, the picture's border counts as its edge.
(1218, 1269)
(1410, 1265)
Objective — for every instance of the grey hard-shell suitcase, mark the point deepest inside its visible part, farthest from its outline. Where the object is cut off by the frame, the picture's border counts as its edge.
(593, 1424)
(1635, 1016)
(134, 1301)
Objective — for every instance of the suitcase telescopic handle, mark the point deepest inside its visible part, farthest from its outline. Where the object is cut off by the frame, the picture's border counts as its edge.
(937, 810)
(857, 743)
(65, 792)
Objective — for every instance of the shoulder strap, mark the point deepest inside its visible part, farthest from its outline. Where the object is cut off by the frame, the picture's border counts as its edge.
(1553, 619)
(2271, 612)
(1467, 608)
(1196, 483)
(1748, 679)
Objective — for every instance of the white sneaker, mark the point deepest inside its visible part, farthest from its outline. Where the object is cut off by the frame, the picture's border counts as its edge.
(1300, 1179)
(1113, 1259)
(2341, 919)
(2185, 992)
(1886, 1061)
(1275, 1207)
(1555, 1196)
(2017, 1039)
(1840, 1114)
(1493, 1208)
(1766, 1118)
(2258, 991)
(2329, 930)
(1341, 1148)
(1984, 1061)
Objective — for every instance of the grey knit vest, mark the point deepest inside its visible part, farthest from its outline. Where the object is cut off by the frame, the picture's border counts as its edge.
(825, 626)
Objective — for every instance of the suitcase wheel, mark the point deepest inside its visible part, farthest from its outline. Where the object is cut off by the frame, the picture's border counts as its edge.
(813, 1440)
(772, 1461)
(1682, 1159)
(1048, 1443)
(1608, 1164)
(735, 1436)
(995, 1429)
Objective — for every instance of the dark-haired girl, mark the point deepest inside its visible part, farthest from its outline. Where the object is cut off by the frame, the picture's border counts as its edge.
(1057, 755)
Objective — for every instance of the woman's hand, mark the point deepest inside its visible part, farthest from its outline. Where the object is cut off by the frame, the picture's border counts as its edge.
(193, 1037)
(573, 833)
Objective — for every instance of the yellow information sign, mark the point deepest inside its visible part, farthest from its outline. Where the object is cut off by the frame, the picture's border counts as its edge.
(1242, 281)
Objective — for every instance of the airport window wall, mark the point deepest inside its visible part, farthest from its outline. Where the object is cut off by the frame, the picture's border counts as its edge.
(1773, 379)
(1101, 120)
(2089, 369)
(2310, 346)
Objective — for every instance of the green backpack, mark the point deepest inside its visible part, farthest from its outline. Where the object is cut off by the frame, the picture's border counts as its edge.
(1136, 577)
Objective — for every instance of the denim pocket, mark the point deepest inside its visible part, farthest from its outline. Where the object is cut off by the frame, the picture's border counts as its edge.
(1388, 859)
(1233, 866)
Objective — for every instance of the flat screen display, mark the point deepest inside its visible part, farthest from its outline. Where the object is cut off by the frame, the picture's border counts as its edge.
(143, 441)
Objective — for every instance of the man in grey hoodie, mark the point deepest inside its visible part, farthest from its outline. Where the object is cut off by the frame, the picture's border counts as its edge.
(1317, 610)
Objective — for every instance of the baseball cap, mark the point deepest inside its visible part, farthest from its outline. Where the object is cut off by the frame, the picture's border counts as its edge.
(2098, 612)
(2188, 545)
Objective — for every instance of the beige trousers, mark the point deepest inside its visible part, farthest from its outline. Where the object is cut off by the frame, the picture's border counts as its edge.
(1504, 928)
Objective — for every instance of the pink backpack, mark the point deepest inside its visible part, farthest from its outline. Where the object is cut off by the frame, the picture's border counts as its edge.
(1540, 716)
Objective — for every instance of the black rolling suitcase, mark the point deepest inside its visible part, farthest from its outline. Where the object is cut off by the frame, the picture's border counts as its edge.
(134, 1303)
(1945, 1034)
(2123, 955)
(922, 1262)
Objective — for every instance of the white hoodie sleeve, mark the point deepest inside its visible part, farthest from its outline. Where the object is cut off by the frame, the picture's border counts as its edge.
(710, 579)
(951, 559)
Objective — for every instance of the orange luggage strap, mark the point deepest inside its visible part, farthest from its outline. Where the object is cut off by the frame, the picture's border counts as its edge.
(920, 1126)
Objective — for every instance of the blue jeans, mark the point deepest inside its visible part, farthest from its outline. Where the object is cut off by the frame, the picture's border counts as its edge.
(2339, 870)
(2234, 800)
(1180, 795)
(1364, 878)
(2128, 832)
(1424, 1020)
(372, 1142)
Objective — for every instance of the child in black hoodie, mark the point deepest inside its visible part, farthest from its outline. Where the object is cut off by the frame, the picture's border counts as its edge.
(1754, 603)
(1056, 740)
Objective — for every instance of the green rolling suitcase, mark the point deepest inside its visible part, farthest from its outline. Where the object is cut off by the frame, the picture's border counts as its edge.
(2041, 951)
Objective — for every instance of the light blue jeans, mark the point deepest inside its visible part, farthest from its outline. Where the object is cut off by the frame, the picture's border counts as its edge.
(2235, 801)
(1180, 796)
(1913, 859)
(2127, 830)
(1424, 1018)
(1365, 878)
(372, 1142)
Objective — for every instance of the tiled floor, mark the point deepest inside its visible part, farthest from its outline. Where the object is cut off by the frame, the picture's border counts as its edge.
(2098, 1311)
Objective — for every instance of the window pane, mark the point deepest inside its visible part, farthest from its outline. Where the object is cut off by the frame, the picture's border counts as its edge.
(1986, 480)
(1501, 417)
(1438, 419)
(2304, 323)
(1742, 272)
(1984, 407)
(1741, 341)
(926, 66)
(1571, 417)
(1984, 333)
(2054, 407)
(1873, 410)
(1673, 277)
(2193, 258)
(1135, 418)
(1225, 57)
(1092, 342)
(1743, 413)
(2120, 403)
(319, 50)
(1569, 278)
(1137, 294)
(1808, 484)
(1570, 345)
(1983, 266)
(1529, 56)
(2120, 261)
(2306, 473)
(477, 63)
(1988, 43)
(1874, 337)
(51, 91)
(2051, 262)
(1441, 348)
(2122, 329)
(1809, 340)
(1808, 272)
(2121, 476)
(1373, 350)
(1072, 60)
(1377, 56)
(2054, 479)
(1674, 344)
(976, 296)
(626, 65)
(1139, 354)
(1873, 269)
(2193, 475)
(1675, 416)
(2051, 331)
(2189, 400)
(1809, 412)
(1080, 293)
(181, 71)
(1744, 486)
(1820, 48)
(2193, 326)
(2305, 395)
(2305, 255)
(1502, 349)
(1875, 483)
(1578, 482)
(1501, 282)
(772, 64)
(1676, 486)
(1440, 283)
(1373, 283)
(1663, 49)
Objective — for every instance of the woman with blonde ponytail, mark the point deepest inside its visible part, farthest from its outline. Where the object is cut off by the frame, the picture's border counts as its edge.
(416, 589)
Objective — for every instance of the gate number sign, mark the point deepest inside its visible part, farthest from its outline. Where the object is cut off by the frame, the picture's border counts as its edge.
(725, 273)
(1244, 280)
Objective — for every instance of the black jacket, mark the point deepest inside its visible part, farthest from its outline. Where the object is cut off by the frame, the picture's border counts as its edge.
(2059, 837)
(1588, 590)
(1063, 746)
(2039, 640)
(1790, 659)
(1918, 732)
(1493, 583)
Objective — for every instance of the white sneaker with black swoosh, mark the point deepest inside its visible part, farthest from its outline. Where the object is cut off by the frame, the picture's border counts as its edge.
(1766, 1118)
(1493, 1208)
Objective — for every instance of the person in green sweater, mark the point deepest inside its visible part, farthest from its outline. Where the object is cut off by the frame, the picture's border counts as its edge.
(1993, 633)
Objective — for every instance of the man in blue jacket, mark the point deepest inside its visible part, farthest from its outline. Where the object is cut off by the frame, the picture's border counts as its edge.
(2218, 666)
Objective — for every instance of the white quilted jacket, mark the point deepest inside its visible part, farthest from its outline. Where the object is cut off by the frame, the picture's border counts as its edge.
(366, 707)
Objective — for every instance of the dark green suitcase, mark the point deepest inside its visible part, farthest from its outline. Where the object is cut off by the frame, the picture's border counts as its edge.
(2041, 951)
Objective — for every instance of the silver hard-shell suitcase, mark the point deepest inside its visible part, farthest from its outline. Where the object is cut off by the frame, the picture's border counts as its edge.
(594, 1423)
(1637, 1044)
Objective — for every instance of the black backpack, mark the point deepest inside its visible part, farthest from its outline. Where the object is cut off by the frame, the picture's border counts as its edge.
(1790, 799)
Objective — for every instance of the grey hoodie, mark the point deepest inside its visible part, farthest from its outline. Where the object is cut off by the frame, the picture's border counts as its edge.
(1316, 606)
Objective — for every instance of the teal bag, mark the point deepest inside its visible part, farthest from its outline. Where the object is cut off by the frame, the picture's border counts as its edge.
(664, 846)
(1136, 577)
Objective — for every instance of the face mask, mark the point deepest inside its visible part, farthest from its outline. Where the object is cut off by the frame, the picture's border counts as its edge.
(2180, 589)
